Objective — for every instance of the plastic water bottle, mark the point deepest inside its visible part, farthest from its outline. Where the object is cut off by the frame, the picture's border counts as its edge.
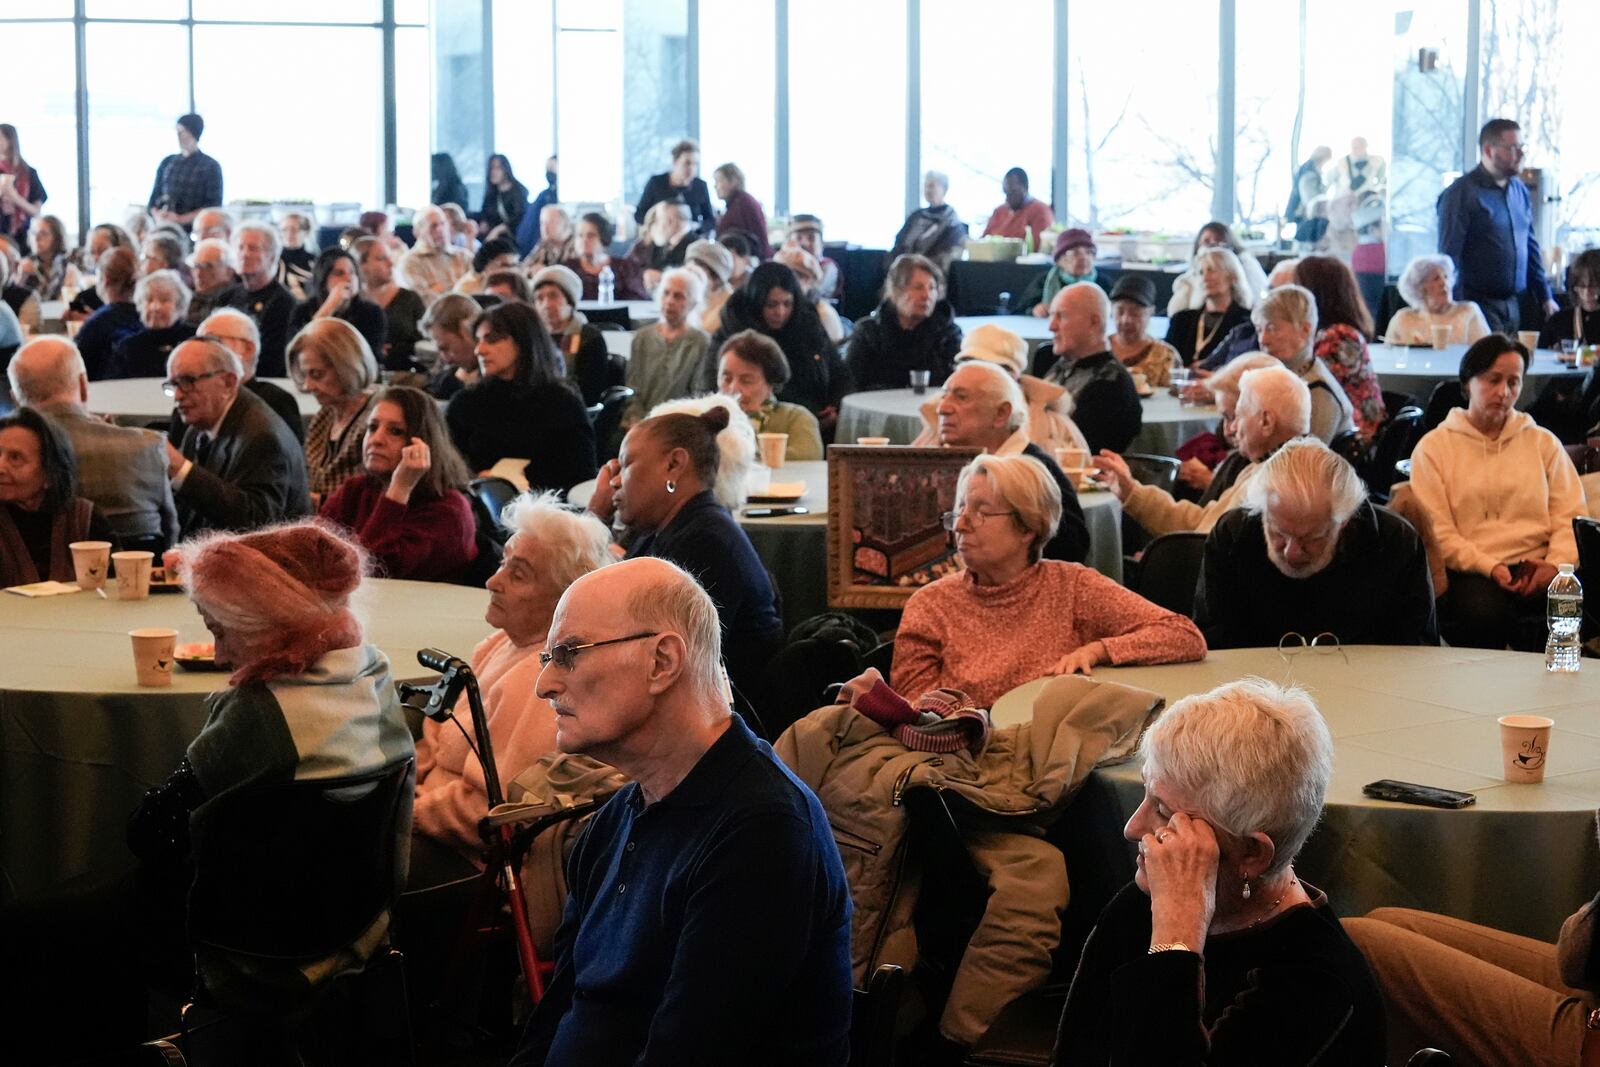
(1005, 304)
(607, 285)
(1564, 613)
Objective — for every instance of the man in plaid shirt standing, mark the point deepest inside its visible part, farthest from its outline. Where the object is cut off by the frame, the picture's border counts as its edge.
(188, 181)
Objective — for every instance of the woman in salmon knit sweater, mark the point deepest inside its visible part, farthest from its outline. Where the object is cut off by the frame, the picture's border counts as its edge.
(1012, 616)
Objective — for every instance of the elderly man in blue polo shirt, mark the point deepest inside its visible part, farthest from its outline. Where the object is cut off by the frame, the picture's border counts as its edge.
(709, 917)
(1486, 227)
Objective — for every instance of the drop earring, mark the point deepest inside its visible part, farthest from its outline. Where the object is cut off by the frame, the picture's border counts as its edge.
(1245, 893)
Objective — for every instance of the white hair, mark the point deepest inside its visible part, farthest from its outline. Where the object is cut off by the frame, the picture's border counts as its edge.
(1239, 284)
(1418, 271)
(239, 319)
(216, 244)
(677, 602)
(1293, 304)
(1226, 380)
(571, 543)
(1000, 388)
(218, 357)
(1250, 756)
(691, 278)
(274, 241)
(1280, 391)
(1309, 473)
(1024, 485)
(736, 442)
(938, 176)
(40, 384)
(171, 282)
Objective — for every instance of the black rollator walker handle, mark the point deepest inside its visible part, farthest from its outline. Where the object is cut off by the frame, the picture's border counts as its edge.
(456, 677)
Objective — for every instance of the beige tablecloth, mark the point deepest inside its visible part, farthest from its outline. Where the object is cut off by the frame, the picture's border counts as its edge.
(80, 741)
(1417, 371)
(1521, 859)
(795, 547)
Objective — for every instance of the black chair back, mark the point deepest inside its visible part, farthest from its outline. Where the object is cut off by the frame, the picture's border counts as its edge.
(1394, 403)
(872, 1020)
(796, 679)
(1169, 570)
(1396, 440)
(1445, 397)
(1586, 532)
(1348, 445)
(1159, 471)
(493, 493)
(613, 313)
(144, 543)
(297, 870)
(608, 423)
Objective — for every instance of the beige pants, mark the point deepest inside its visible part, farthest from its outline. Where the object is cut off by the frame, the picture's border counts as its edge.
(1009, 953)
(1486, 997)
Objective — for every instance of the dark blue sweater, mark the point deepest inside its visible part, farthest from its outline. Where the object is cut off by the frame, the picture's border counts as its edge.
(711, 927)
(704, 540)
(1488, 231)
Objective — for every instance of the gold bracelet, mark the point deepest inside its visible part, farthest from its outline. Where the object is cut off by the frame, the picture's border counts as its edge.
(1173, 946)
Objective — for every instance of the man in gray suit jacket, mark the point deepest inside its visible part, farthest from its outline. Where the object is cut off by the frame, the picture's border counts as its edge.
(238, 466)
(122, 469)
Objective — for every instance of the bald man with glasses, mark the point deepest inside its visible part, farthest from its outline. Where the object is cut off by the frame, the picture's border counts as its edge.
(709, 917)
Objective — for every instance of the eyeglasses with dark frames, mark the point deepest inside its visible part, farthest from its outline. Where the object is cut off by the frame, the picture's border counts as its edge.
(565, 656)
(187, 382)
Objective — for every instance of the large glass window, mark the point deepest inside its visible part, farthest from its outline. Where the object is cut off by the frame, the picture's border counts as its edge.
(977, 127)
(1142, 120)
(738, 94)
(287, 10)
(326, 149)
(1535, 70)
(39, 57)
(589, 109)
(1348, 124)
(655, 81)
(133, 119)
(413, 107)
(524, 91)
(847, 105)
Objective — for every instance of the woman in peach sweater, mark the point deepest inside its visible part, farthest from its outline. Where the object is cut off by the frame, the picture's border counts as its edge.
(1010, 616)
(550, 548)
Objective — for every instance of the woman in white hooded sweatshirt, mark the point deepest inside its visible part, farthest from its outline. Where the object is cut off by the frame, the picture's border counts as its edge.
(1501, 495)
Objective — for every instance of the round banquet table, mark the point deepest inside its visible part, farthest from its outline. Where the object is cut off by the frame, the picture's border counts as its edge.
(794, 548)
(1521, 859)
(1417, 371)
(1035, 329)
(138, 401)
(896, 414)
(80, 741)
(1169, 423)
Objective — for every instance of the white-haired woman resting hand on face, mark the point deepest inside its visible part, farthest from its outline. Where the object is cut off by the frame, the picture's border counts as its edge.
(1218, 953)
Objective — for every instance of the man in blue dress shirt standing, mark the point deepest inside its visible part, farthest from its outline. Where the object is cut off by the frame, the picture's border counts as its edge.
(709, 917)
(1486, 227)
